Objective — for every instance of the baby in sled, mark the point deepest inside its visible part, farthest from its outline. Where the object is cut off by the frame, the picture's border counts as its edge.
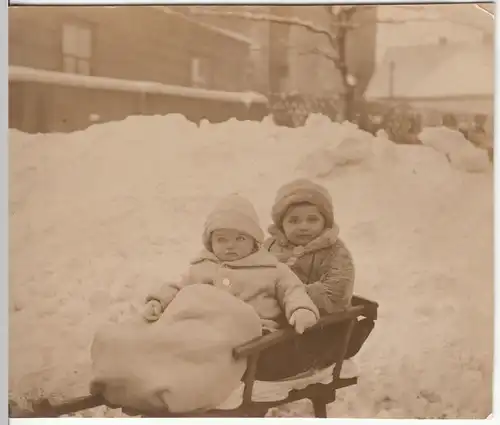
(179, 359)
(233, 260)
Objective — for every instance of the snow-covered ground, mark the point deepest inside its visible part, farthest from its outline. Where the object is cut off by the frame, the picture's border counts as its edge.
(100, 216)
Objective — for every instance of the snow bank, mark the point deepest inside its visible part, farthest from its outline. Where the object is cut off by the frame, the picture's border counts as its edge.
(100, 216)
(462, 154)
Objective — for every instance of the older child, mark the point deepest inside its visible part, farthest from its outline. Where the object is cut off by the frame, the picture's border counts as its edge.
(233, 261)
(304, 235)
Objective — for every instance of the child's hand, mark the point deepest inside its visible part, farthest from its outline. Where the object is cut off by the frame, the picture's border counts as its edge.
(152, 311)
(302, 319)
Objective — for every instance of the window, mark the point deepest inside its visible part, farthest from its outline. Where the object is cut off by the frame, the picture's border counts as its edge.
(200, 72)
(76, 48)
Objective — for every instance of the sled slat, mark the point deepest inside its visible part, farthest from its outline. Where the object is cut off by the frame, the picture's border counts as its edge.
(258, 409)
(43, 408)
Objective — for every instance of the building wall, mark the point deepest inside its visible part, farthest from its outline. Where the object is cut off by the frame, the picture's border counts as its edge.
(310, 72)
(36, 107)
(257, 33)
(133, 42)
(362, 46)
(280, 67)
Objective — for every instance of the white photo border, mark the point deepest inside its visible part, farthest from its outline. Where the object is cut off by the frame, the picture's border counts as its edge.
(4, 162)
(4, 221)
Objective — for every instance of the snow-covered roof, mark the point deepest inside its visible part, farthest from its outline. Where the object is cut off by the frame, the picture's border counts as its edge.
(418, 24)
(434, 71)
(468, 14)
(410, 64)
(20, 73)
(469, 72)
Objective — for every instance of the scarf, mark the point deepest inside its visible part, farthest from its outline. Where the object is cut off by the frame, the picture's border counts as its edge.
(291, 253)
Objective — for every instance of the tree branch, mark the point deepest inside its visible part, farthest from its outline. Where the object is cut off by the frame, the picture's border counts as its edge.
(266, 17)
(342, 19)
(319, 52)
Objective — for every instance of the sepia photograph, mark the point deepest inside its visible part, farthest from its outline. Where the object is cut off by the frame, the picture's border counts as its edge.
(251, 211)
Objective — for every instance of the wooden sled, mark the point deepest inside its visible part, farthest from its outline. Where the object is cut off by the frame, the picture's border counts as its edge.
(343, 323)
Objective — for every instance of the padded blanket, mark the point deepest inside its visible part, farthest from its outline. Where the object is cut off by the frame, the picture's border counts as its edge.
(181, 363)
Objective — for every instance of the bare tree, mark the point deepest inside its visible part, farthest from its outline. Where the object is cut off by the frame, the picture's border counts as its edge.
(342, 21)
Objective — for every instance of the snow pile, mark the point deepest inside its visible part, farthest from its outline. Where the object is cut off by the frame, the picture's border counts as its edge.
(462, 154)
(100, 216)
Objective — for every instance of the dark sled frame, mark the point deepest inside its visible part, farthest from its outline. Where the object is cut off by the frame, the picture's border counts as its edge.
(319, 394)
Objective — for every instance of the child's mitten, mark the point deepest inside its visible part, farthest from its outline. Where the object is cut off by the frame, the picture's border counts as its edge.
(302, 319)
(152, 311)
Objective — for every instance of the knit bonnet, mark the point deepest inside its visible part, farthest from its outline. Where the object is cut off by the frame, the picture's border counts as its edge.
(302, 191)
(233, 212)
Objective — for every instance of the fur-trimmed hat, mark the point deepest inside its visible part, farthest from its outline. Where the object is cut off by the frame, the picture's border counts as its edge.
(233, 212)
(302, 191)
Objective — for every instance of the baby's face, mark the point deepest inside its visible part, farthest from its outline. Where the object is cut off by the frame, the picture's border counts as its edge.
(231, 245)
(303, 223)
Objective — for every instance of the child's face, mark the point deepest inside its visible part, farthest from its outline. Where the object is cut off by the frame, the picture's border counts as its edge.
(231, 245)
(303, 223)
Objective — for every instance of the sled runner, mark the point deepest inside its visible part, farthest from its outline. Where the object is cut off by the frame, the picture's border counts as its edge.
(348, 330)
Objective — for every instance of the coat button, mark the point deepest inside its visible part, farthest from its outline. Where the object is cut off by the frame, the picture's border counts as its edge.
(226, 282)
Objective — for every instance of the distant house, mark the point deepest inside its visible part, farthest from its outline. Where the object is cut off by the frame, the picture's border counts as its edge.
(134, 43)
(437, 79)
(418, 24)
